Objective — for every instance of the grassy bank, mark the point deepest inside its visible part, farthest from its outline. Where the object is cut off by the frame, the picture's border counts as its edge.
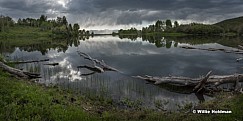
(25, 100)
(24, 35)
(22, 100)
(25, 32)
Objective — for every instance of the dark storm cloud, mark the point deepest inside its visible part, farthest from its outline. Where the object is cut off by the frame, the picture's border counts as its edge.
(124, 12)
(164, 4)
(136, 11)
(28, 8)
(23, 5)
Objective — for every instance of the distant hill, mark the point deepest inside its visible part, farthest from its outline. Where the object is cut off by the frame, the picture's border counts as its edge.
(232, 25)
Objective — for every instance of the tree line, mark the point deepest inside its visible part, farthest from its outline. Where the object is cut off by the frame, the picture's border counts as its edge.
(158, 27)
(191, 29)
(58, 27)
(198, 29)
(5, 23)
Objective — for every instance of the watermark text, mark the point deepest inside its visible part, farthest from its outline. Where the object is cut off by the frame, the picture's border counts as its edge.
(202, 111)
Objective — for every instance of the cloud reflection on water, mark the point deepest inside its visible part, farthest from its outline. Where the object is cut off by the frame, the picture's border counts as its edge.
(133, 58)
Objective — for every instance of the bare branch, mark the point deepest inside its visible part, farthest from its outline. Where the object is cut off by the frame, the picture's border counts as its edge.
(202, 83)
(97, 63)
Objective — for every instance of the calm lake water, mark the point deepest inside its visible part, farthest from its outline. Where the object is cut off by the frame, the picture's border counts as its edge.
(132, 57)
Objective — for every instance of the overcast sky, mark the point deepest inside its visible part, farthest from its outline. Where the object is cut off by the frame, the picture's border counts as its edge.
(114, 14)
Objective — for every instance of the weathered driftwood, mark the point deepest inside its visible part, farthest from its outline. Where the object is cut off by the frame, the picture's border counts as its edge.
(239, 59)
(240, 47)
(98, 66)
(200, 86)
(214, 80)
(51, 64)
(94, 68)
(18, 73)
(96, 61)
(238, 87)
(88, 74)
(202, 83)
(29, 61)
(215, 49)
(177, 81)
(218, 80)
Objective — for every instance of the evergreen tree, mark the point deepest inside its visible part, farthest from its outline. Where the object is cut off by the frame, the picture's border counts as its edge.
(168, 24)
(176, 24)
(64, 20)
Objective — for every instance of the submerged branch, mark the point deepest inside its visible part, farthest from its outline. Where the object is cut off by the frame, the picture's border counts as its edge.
(240, 47)
(29, 61)
(88, 74)
(94, 68)
(51, 64)
(98, 66)
(214, 49)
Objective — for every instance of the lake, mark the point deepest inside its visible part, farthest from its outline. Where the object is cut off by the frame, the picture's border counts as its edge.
(132, 56)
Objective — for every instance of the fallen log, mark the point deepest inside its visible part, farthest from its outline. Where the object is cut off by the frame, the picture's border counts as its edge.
(177, 81)
(29, 61)
(237, 85)
(214, 80)
(207, 85)
(187, 47)
(51, 64)
(218, 80)
(214, 49)
(240, 47)
(18, 73)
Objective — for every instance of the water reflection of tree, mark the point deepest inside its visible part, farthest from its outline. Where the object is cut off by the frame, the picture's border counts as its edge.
(168, 42)
(159, 41)
(131, 37)
(5, 48)
(61, 45)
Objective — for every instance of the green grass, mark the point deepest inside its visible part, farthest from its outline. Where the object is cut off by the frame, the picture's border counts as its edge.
(25, 31)
(22, 42)
(24, 100)
(24, 35)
